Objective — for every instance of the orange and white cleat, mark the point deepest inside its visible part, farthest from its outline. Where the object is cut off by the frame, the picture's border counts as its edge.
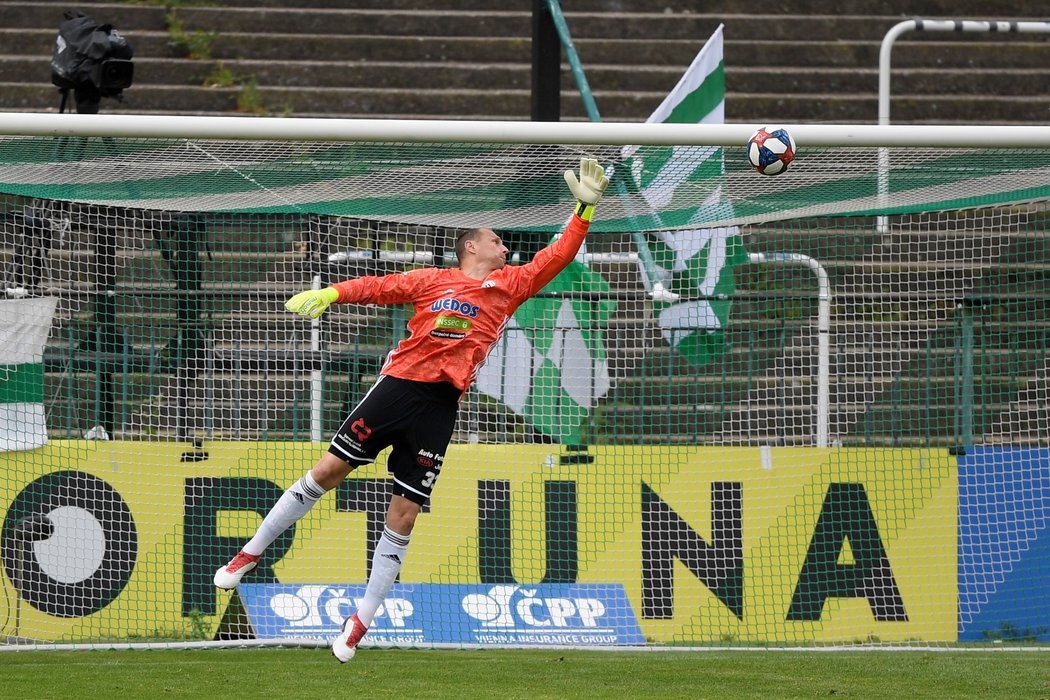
(345, 645)
(230, 575)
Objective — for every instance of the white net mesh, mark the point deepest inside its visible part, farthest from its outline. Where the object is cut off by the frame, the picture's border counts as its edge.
(796, 410)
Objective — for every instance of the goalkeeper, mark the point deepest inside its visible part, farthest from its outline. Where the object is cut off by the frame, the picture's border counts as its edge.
(460, 314)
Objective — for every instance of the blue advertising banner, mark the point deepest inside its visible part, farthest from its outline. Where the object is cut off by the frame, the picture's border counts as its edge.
(1004, 544)
(502, 614)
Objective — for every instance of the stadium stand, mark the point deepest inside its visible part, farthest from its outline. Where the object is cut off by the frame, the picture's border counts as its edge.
(471, 60)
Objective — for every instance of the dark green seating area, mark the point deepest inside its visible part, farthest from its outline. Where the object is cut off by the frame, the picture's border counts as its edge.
(909, 365)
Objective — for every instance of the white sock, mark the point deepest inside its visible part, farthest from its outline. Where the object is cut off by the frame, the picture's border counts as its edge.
(386, 564)
(292, 505)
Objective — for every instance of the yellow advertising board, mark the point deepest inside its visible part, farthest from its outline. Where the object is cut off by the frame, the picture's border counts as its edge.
(712, 544)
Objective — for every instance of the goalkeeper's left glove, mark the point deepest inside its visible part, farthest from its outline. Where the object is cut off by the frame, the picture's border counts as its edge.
(589, 188)
(313, 302)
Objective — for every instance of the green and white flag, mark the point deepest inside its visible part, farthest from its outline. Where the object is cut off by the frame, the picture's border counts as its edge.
(697, 262)
(550, 366)
(24, 327)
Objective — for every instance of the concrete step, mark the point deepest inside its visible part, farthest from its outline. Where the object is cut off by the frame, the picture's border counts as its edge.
(517, 76)
(515, 104)
(510, 21)
(384, 60)
(517, 23)
(441, 20)
(123, 16)
(905, 9)
(1022, 52)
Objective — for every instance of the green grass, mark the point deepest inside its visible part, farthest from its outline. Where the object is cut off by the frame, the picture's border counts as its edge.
(466, 675)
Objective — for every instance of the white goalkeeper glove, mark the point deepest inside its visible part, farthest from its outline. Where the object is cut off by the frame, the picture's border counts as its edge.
(313, 302)
(589, 188)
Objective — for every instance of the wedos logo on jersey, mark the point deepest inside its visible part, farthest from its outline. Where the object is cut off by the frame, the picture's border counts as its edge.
(453, 304)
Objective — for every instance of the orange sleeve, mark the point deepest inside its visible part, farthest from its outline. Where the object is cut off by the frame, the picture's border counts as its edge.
(398, 288)
(547, 263)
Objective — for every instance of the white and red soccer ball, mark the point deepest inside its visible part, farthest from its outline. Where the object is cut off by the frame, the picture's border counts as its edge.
(770, 150)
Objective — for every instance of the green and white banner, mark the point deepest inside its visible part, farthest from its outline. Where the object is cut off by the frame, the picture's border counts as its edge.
(550, 367)
(24, 327)
(697, 263)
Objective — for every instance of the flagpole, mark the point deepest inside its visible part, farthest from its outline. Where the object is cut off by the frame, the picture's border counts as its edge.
(645, 255)
(575, 65)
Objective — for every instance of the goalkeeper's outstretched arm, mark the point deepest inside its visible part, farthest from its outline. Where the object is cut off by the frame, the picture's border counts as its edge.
(588, 189)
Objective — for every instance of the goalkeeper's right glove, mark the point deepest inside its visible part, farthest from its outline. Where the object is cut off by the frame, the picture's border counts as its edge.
(589, 188)
(313, 302)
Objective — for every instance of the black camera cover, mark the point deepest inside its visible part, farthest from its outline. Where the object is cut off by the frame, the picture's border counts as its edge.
(91, 57)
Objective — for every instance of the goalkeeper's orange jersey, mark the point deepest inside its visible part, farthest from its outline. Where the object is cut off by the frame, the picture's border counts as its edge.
(459, 319)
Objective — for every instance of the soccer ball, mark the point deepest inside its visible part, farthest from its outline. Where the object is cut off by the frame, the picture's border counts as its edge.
(770, 150)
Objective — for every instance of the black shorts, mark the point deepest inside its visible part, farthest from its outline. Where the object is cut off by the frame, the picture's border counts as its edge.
(417, 418)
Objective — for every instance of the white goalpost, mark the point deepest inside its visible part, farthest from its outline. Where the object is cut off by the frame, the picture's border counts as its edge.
(459, 131)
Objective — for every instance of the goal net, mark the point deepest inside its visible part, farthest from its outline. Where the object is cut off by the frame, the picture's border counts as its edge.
(807, 409)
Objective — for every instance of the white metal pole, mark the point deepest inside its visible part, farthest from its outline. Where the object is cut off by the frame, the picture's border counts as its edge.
(881, 222)
(447, 131)
(823, 418)
(885, 51)
(950, 25)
